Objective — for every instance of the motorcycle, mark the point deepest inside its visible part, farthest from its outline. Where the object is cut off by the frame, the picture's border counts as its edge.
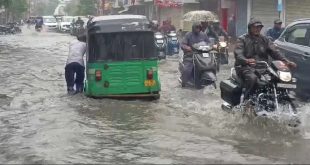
(173, 44)
(204, 70)
(161, 45)
(11, 28)
(222, 56)
(4, 30)
(38, 28)
(16, 27)
(79, 29)
(270, 99)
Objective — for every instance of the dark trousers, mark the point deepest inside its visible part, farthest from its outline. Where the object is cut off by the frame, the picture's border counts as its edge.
(75, 70)
(188, 70)
(249, 79)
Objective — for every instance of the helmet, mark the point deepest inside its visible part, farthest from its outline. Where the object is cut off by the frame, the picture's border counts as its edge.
(255, 22)
(195, 25)
(277, 21)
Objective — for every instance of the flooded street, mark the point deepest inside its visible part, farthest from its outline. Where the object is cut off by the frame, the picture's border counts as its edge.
(39, 123)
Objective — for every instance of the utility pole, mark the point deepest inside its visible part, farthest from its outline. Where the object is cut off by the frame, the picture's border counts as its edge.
(280, 7)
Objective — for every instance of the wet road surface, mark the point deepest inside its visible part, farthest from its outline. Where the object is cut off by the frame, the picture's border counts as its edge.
(39, 123)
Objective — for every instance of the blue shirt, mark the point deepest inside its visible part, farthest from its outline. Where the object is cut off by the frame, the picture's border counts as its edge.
(191, 39)
(274, 33)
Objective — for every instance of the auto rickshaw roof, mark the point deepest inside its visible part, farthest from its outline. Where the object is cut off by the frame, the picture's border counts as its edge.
(119, 23)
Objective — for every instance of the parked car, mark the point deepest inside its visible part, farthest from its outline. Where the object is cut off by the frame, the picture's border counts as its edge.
(294, 43)
(50, 22)
(65, 23)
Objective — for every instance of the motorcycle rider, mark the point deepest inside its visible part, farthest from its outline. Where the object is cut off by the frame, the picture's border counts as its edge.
(167, 27)
(154, 26)
(90, 18)
(28, 23)
(252, 47)
(190, 39)
(218, 30)
(80, 22)
(38, 22)
(206, 27)
(275, 32)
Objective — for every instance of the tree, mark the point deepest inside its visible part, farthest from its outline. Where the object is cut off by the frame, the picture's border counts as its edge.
(14, 8)
(72, 7)
(46, 8)
(87, 7)
(5, 3)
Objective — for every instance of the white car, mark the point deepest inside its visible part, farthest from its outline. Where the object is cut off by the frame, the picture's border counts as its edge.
(50, 22)
(64, 25)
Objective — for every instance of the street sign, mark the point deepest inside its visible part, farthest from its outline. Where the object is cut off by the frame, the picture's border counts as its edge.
(280, 5)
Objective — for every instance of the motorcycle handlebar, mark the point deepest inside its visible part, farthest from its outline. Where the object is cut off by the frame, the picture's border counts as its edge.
(262, 62)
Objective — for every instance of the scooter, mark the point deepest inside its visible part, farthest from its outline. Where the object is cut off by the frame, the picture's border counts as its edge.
(161, 45)
(173, 44)
(204, 67)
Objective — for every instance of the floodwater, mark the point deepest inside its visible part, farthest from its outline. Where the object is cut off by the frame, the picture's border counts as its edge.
(39, 123)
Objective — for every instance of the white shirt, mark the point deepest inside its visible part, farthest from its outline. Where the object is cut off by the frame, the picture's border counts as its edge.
(77, 49)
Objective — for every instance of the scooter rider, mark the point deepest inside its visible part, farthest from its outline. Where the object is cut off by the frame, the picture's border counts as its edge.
(218, 30)
(250, 48)
(39, 22)
(190, 39)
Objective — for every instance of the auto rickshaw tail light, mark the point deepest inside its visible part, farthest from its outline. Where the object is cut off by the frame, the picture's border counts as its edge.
(150, 74)
(98, 75)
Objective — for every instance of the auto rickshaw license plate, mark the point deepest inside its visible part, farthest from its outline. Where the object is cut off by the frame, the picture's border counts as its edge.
(149, 83)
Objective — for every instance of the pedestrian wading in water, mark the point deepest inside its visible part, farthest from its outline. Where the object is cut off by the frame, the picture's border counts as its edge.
(75, 68)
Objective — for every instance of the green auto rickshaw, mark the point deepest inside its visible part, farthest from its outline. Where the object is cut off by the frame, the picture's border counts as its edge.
(121, 58)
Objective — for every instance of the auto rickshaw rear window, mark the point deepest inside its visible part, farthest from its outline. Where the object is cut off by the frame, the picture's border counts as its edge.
(121, 46)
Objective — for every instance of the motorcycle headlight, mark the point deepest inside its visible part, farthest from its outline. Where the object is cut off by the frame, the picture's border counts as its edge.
(223, 44)
(285, 76)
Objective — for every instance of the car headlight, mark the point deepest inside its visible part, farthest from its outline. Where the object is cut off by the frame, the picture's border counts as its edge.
(285, 76)
(223, 44)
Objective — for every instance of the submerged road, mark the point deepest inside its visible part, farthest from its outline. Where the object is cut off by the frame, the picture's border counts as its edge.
(39, 123)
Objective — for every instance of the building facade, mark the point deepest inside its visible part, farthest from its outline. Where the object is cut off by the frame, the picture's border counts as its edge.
(232, 13)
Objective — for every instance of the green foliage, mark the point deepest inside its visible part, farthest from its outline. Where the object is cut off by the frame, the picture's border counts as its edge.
(72, 8)
(87, 7)
(46, 8)
(5, 3)
(82, 7)
(16, 8)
